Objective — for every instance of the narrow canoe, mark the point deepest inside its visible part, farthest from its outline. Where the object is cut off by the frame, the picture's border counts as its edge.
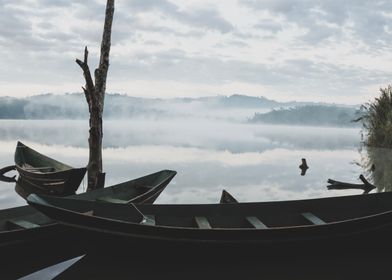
(42, 174)
(23, 224)
(313, 226)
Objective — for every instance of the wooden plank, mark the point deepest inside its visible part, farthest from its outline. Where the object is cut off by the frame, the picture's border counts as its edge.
(53, 184)
(256, 223)
(313, 219)
(43, 169)
(202, 223)
(89, 213)
(23, 223)
(111, 200)
(149, 220)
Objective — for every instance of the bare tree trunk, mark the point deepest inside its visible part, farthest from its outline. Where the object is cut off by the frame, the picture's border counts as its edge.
(95, 97)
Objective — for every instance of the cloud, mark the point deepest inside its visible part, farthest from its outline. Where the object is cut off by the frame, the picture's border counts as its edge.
(307, 75)
(331, 19)
(201, 18)
(317, 47)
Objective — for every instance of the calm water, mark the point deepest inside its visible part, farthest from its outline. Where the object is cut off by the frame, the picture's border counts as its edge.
(253, 162)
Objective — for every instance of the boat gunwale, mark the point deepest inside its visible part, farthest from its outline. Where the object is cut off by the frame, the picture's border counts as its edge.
(361, 219)
(20, 146)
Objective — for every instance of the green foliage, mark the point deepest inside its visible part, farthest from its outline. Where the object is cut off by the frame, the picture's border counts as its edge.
(377, 119)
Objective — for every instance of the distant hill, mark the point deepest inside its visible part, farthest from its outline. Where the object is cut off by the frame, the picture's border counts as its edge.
(318, 115)
(73, 106)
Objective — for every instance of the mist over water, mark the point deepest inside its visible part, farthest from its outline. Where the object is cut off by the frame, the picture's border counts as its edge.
(253, 162)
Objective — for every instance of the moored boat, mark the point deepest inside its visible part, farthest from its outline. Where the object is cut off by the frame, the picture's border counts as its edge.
(42, 174)
(21, 225)
(145, 189)
(313, 225)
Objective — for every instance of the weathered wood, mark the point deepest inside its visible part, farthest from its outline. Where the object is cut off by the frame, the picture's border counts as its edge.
(101, 180)
(313, 218)
(255, 222)
(95, 95)
(41, 174)
(337, 185)
(202, 223)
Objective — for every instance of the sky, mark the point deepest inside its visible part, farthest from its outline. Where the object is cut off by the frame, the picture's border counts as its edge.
(305, 50)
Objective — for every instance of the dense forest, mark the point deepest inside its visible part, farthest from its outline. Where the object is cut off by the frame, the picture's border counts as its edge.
(310, 115)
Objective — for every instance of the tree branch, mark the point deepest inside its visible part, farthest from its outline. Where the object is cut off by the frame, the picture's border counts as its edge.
(337, 185)
(90, 88)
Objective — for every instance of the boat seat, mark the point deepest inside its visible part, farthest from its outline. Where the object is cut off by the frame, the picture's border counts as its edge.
(111, 200)
(89, 213)
(255, 222)
(313, 218)
(42, 169)
(149, 220)
(53, 184)
(202, 223)
(22, 223)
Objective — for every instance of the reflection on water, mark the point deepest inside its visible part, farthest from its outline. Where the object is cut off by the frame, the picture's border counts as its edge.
(377, 162)
(205, 134)
(253, 162)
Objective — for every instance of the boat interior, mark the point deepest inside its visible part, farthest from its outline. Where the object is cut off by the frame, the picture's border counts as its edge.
(33, 161)
(23, 217)
(128, 191)
(239, 215)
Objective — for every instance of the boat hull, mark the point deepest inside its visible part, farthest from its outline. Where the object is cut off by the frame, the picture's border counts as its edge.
(63, 183)
(41, 174)
(57, 240)
(355, 236)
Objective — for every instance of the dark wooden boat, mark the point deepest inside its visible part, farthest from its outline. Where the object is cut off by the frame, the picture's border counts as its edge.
(145, 189)
(24, 230)
(23, 220)
(42, 174)
(315, 226)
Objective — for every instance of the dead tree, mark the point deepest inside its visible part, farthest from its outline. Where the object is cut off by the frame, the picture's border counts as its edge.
(337, 185)
(95, 97)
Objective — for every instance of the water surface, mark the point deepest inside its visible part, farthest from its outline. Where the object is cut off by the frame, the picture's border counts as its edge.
(252, 162)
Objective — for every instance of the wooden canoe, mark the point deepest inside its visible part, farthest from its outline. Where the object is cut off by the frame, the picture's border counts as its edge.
(42, 174)
(23, 224)
(145, 189)
(313, 226)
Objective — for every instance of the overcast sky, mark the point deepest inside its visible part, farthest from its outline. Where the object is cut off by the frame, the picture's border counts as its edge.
(323, 50)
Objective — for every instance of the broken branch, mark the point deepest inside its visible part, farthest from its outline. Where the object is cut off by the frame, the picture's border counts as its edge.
(337, 185)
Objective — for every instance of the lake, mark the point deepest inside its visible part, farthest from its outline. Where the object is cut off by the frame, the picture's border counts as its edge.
(253, 162)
